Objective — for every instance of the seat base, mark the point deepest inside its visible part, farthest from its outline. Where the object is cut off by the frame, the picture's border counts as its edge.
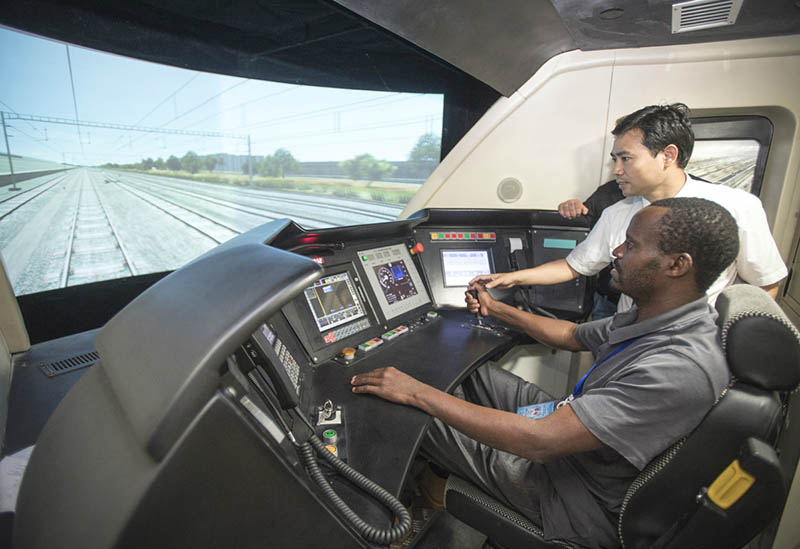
(504, 527)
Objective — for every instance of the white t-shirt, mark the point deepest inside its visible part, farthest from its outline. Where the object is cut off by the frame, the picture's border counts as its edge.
(759, 263)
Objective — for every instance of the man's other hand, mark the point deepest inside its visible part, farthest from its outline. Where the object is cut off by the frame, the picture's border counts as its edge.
(572, 208)
(496, 280)
(391, 384)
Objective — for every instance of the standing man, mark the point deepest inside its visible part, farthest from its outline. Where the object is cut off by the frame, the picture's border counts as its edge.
(652, 146)
(606, 297)
(659, 368)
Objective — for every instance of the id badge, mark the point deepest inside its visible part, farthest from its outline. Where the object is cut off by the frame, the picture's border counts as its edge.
(537, 411)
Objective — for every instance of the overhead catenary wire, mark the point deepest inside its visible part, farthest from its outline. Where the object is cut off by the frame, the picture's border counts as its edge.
(74, 98)
(250, 102)
(198, 106)
(167, 98)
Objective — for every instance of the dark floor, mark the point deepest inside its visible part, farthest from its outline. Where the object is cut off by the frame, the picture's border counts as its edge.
(437, 529)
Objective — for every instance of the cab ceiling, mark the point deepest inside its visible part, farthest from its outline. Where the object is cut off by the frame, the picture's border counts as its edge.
(398, 45)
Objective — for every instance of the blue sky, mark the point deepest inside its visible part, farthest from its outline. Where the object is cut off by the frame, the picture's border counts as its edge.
(313, 123)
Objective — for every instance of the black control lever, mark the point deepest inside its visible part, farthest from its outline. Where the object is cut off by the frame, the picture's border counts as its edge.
(474, 293)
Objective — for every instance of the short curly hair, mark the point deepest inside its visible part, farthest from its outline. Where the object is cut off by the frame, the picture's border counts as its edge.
(661, 125)
(703, 229)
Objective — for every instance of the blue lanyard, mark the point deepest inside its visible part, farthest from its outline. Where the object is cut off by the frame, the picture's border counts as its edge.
(579, 386)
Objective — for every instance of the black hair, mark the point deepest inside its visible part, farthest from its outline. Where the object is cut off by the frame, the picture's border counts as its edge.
(703, 229)
(661, 125)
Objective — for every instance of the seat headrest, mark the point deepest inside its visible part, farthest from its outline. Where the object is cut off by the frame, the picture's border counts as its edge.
(761, 345)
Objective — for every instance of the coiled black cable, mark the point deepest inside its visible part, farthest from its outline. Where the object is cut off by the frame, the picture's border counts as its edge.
(368, 532)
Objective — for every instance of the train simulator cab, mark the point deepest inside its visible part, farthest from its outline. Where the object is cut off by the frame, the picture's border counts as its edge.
(179, 335)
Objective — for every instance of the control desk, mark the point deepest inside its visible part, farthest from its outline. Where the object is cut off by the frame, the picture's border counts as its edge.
(393, 294)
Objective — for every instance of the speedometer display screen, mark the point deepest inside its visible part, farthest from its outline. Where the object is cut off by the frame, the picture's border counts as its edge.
(395, 281)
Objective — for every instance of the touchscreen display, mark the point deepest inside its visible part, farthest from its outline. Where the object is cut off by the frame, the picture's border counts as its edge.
(395, 281)
(333, 301)
(461, 266)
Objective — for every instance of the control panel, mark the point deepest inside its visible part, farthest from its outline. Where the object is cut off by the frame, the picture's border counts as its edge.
(455, 255)
(383, 299)
(368, 297)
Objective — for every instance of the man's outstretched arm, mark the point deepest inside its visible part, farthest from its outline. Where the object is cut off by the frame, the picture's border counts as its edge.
(546, 274)
(559, 434)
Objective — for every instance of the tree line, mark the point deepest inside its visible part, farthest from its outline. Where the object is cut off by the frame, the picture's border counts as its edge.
(422, 157)
(190, 162)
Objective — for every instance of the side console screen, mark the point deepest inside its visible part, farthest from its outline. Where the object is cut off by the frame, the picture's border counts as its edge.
(330, 312)
(333, 301)
(461, 266)
(394, 279)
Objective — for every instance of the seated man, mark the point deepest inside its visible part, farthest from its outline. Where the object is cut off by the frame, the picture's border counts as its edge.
(659, 368)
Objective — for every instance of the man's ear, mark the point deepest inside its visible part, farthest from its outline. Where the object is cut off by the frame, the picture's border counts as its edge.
(680, 265)
(670, 155)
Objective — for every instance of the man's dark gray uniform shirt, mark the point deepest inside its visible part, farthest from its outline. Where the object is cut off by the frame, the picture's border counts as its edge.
(638, 402)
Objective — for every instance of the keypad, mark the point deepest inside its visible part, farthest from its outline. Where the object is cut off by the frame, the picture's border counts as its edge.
(289, 364)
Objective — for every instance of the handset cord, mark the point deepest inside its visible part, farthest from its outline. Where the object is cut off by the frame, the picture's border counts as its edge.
(306, 450)
(371, 533)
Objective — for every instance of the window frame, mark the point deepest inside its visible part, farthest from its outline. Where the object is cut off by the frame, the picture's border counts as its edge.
(757, 128)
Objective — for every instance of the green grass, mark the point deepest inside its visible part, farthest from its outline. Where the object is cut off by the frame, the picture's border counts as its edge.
(334, 187)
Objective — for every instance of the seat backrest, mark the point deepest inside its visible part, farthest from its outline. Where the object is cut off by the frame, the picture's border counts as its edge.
(13, 339)
(668, 503)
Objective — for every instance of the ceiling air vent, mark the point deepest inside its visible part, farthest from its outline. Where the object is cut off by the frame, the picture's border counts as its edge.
(704, 14)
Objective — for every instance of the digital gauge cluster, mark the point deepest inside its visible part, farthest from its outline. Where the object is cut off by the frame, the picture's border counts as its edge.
(394, 279)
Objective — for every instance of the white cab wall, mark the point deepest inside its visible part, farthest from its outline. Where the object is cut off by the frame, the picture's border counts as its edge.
(553, 135)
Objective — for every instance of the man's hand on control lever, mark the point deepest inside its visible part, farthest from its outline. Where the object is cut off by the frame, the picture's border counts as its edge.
(483, 302)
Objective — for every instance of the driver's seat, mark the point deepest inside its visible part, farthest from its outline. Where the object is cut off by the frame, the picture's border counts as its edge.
(723, 483)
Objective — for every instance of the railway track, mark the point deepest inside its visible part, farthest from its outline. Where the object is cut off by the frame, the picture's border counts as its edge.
(20, 198)
(262, 215)
(736, 174)
(207, 226)
(332, 210)
(94, 249)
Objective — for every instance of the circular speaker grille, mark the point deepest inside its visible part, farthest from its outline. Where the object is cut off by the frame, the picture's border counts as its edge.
(509, 189)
